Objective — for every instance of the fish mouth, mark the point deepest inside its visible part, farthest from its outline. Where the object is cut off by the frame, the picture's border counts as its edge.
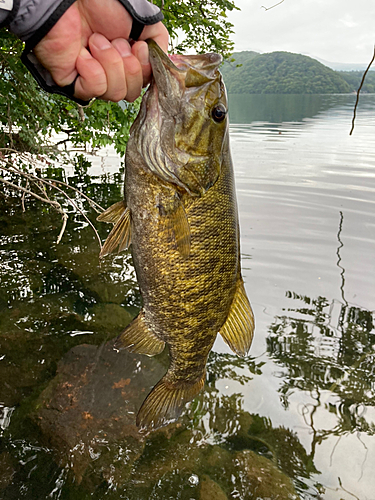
(169, 79)
(175, 73)
(158, 56)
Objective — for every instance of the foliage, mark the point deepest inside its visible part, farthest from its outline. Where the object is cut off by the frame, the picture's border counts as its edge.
(281, 73)
(30, 117)
(353, 78)
(204, 25)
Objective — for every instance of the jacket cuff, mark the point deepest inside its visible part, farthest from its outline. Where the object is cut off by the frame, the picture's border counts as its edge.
(143, 11)
(8, 11)
(33, 14)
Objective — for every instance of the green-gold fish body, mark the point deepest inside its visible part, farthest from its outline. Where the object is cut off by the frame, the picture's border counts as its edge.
(180, 215)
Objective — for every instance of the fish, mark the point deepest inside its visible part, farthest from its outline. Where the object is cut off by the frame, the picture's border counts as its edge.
(180, 217)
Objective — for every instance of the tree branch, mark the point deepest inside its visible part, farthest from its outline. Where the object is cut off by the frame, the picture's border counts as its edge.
(41, 183)
(269, 8)
(359, 90)
(55, 204)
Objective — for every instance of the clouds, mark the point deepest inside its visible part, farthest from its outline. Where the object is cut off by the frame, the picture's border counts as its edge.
(334, 30)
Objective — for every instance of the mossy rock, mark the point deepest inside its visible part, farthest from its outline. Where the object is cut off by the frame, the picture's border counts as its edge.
(210, 490)
(109, 317)
(257, 477)
(109, 291)
(7, 470)
(87, 412)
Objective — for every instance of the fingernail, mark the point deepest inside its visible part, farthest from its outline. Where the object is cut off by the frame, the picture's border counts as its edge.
(143, 55)
(100, 42)
(85, 53)
(122, 47)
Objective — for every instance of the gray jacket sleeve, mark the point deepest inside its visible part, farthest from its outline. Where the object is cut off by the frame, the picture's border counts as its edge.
(31, 20)
(4, 15)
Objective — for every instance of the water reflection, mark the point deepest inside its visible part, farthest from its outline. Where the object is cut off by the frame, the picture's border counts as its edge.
(56, 297)
(327, 349)
(301, 408)
(248, 108)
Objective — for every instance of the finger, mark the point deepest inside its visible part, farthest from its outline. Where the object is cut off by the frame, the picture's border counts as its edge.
(132, 69)
(140, 51)
(112, 63)
(92, 80)
(157, 32)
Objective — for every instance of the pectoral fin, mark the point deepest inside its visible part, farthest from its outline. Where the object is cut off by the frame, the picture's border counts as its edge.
(137, 337)
(238, 330)
(177, 221)
(120, 236)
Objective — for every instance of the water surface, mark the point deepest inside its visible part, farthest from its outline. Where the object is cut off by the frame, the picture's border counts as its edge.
(306, 192)
(306, 200)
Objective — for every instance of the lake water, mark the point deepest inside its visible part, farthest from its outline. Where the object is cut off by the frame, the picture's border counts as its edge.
(304, 399)
(306, 193)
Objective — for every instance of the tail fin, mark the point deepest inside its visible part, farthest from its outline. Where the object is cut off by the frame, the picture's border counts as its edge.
(166, 402)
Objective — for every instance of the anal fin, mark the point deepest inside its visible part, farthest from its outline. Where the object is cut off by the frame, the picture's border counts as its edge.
(166, 402)
(120, 236)
(238, 329)
(137, 337)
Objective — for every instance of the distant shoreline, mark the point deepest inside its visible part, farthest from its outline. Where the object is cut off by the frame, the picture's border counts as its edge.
(289, 73)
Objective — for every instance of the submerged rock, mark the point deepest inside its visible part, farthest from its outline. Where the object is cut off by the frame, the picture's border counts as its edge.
(87, 413)
(260, 478)
(7, 469)
(210, 490)
(108, 316)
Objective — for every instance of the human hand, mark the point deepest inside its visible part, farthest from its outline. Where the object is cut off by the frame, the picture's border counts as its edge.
(90, 40)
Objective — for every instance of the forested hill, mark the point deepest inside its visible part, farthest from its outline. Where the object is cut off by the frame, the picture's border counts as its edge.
(281, 73)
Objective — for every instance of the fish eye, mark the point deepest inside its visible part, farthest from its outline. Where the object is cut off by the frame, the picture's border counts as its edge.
(219, 112)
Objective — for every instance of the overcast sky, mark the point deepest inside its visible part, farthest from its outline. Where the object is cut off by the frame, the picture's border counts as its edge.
(334, 30)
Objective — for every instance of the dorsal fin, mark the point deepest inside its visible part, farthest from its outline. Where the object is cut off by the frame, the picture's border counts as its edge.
(120, 236)
(238, 329)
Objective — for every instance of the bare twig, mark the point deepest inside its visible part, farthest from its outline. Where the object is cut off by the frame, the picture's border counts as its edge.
(65, 220)
(50, 182)
(41, 184)
(81, 113)
(30, 178)
(23, 197)
(55, 204)
(79, 210)
(92, 203)
(269, 8)
(359, 90)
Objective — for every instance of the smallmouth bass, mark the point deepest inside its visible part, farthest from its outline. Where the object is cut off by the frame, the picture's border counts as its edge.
(180, 216)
